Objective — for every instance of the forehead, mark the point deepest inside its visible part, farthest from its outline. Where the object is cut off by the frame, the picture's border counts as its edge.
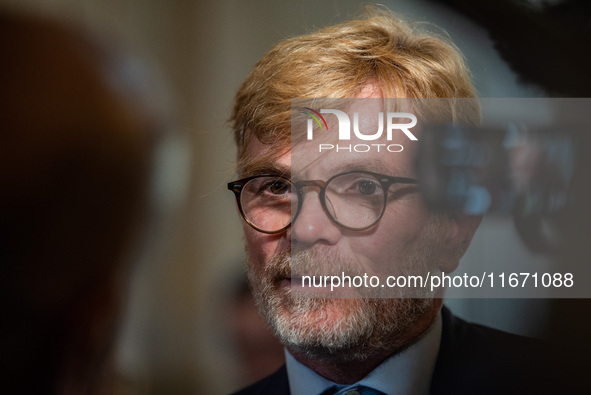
(261, 158)
(394, 157)
(328, 156)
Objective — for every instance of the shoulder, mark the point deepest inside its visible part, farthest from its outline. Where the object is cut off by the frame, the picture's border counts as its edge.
(276, 383)
(477, 359)
(464, 338)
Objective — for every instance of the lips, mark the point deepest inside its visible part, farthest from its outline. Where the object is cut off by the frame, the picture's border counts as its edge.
(296, 280)
(290, 280)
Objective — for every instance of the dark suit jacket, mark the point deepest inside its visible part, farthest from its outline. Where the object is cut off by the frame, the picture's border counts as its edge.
(473, 359)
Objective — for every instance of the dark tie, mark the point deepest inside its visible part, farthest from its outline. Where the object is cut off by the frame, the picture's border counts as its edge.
(351, 390)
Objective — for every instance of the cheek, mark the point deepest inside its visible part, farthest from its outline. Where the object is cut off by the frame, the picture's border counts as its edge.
(403, 223)
(396, 235)
(260, 247)
(252, 244)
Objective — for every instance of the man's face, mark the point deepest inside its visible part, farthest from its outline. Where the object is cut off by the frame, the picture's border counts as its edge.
(408, 239)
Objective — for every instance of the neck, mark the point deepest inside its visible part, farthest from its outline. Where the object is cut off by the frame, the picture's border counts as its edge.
(343, 370)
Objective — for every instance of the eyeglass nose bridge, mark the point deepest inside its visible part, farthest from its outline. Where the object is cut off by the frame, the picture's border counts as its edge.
(300, 186)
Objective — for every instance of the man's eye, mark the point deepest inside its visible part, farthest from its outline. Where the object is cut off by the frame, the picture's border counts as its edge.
(278, 187)
(367, 187)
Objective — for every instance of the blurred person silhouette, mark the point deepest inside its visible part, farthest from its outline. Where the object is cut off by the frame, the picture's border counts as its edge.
(258, 352)
(543, 42)
(77, 145)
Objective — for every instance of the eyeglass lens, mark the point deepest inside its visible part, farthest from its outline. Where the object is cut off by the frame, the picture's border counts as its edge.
(353, 200)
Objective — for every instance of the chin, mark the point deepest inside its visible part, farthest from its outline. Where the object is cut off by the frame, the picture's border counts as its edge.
(345, 329)
(322, 326)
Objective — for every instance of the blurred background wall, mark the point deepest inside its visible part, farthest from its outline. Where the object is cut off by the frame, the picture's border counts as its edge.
(177, 336)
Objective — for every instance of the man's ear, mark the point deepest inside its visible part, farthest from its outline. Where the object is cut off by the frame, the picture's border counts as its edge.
(460, 230)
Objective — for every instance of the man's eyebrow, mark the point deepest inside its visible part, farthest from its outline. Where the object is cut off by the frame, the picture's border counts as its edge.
(264, 165)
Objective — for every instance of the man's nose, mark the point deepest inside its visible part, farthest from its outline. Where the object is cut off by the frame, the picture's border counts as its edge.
(312, 224)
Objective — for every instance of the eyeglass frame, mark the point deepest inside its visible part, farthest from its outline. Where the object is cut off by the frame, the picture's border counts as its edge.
(385, 181)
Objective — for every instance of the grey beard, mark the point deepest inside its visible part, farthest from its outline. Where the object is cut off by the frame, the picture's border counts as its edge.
(362, 326)
(341, 329)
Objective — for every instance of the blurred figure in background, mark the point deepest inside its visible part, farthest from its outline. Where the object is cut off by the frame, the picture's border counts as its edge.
(258, 352)
(76, 149)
